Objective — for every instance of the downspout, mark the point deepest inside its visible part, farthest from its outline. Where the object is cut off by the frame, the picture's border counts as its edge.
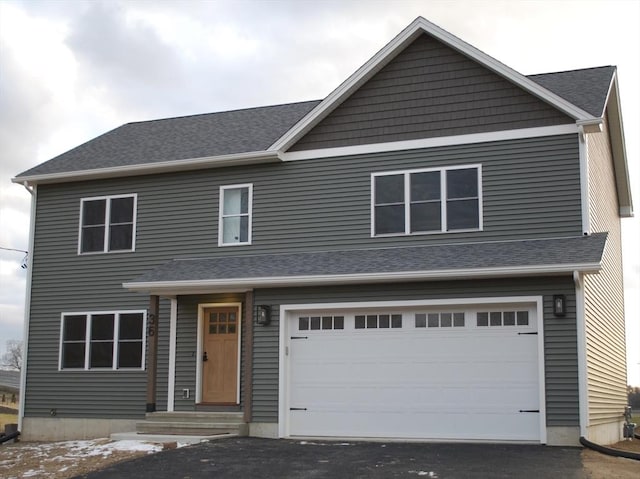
(33, 191)
(583, 152)
(581, 333)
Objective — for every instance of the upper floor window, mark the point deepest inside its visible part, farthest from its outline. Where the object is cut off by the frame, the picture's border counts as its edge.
(235, 215)
(429, 200)
(111, 340)
(107, 223)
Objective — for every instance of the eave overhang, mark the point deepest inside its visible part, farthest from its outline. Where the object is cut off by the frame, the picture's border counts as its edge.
(236, 159)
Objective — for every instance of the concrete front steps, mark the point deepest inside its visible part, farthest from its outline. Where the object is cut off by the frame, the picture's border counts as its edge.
(195, 423)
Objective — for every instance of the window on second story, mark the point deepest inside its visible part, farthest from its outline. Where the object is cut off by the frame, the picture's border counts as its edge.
(235, 215)
(107, 224)
(430, 200)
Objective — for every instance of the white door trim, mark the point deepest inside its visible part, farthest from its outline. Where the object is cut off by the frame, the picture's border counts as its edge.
(284, 342)
(201, 308)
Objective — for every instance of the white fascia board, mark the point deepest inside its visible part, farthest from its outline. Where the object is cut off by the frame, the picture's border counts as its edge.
(151, 168)
(395, 46)
(472, 138)
(160, 287)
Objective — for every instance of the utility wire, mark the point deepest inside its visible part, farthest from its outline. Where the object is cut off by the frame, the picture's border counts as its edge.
(13, 249)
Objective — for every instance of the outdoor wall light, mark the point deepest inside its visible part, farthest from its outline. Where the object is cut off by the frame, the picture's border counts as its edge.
(263, 314)
(559, 305)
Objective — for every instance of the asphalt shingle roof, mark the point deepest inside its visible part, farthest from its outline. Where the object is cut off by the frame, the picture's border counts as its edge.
(586, 88)
(10, 379)
(255, 129)
(525, 253)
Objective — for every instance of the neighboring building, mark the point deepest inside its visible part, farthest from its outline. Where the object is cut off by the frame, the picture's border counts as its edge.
(9, 388)
(430, 252)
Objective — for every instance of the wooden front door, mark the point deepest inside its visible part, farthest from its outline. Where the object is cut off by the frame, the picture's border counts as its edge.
(220, 355)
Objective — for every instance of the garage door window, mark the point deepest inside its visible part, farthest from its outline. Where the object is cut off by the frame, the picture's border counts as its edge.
(378, 321)
(503, 318)
(316, 323)
(439, 320)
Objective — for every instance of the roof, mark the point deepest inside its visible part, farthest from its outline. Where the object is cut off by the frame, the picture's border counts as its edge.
(587, 88)
(10, 379)
(452, 261)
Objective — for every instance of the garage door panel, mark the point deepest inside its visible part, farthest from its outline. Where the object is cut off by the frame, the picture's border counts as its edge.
(448, 383)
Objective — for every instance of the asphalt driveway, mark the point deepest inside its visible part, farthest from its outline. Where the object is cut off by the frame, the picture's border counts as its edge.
(282, 459)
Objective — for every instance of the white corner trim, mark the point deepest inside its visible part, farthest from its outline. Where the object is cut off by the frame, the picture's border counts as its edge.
(583, 386)
(471, 138)
(583, 153)
(542, 399)
(283, 374)
(395, 46)
(173, 329)
(27, 306)
(220, 161)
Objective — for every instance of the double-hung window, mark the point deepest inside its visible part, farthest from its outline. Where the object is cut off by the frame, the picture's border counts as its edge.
(107, 224)
(235, 215)
(430, 200)
(102, 340)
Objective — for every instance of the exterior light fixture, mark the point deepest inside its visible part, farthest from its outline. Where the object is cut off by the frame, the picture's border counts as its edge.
(263, 314)
(559, 305)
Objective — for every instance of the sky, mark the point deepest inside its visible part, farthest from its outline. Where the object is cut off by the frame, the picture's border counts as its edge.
(70, 71)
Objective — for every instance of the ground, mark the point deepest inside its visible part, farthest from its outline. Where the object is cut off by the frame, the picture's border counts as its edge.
(63, 460)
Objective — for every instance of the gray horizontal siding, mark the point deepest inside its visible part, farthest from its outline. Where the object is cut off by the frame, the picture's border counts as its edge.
(561, 364)
(531, 190)
(429, 90)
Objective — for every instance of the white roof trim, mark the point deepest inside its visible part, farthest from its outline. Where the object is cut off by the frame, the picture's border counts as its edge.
(157, 167)
(394, 47)
(431, 142)
(317, 280)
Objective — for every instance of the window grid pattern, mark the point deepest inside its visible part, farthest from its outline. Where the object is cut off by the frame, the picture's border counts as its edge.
(107, 224)
(439, 320)
(502, 318)
(378, 321)
(317, 323)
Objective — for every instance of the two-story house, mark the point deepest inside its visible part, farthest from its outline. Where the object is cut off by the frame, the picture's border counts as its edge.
(430, 252)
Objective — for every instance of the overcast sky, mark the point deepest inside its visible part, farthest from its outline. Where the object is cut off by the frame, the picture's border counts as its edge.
(70, 71)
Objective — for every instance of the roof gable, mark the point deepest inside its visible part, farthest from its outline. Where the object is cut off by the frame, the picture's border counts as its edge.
(429, 90)
(418, 27)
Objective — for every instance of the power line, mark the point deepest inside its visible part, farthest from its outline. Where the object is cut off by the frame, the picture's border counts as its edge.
(13, 249)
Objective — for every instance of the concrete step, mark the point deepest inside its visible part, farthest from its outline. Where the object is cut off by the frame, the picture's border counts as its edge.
(200, 428)
(196, 416)
(166, 438)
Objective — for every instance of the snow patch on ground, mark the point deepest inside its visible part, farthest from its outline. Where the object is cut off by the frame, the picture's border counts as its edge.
(425, 473)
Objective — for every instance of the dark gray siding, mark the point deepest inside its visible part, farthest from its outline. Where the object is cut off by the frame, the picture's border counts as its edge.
(561, 363)
(429, 90)
(186, 345)
(531, 190)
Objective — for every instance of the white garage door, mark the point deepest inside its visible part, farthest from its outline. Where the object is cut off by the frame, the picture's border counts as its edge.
(429, 373)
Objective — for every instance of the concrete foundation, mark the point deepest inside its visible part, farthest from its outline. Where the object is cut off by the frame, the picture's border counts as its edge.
(263, 429)
(605, 434)
(563, 436)
(64, 429)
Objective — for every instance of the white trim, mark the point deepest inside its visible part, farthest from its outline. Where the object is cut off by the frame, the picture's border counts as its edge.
(116, 338)
(170, 287)
(219, 161)
(407, 200)
(583, 152)
(284, 343)
(249, 213)
(27, 305)
(107, 223)
(201, 308)
(393, 48)
(454, 140)
(173, 330)
(583, 386)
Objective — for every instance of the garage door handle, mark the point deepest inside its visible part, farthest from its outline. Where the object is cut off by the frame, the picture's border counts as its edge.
(299, 337)
(536, 333)
(529, 410)
(297, 409)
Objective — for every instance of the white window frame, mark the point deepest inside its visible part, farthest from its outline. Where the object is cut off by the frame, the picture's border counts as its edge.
(249, 214)
(107, 224)
(116, 339)
(443, 200)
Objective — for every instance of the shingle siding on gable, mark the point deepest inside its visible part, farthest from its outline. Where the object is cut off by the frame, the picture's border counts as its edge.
(604, 308)
(429, 90)
(561, 364)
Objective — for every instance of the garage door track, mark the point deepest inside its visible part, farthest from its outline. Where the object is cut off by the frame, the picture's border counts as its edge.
(283, 459)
